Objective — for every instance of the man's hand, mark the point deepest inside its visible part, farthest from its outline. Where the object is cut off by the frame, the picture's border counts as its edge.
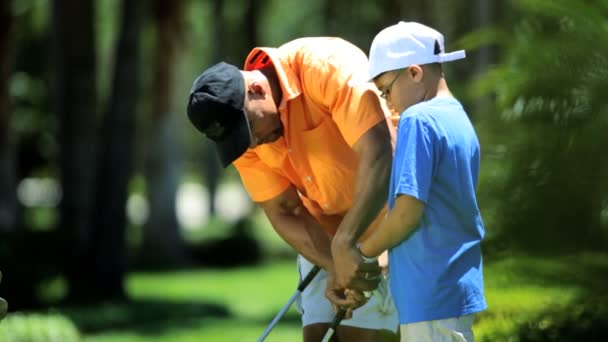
(352, 271)
(3, 303)
(343, 298)
(358, 300)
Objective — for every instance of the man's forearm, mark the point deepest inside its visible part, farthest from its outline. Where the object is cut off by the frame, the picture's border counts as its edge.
(302, 232)
(371, 189)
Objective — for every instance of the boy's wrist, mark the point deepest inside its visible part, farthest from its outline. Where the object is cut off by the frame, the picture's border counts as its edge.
(363, 256)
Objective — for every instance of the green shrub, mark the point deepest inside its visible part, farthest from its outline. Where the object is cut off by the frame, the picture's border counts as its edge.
(20, 327)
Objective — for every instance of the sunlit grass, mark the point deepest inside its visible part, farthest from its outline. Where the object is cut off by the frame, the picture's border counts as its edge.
(250, 296)
(237, 304)
(247, 292)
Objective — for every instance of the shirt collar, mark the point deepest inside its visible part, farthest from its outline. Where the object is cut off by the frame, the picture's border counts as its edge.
(260, 57)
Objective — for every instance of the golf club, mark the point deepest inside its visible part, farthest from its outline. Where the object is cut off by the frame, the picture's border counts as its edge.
(309, 277)
(338, 318)
(334, 324)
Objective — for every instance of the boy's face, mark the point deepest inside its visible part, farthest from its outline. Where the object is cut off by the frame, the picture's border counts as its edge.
(400, 87)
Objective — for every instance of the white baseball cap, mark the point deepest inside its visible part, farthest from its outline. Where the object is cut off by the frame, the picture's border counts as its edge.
(407, 43)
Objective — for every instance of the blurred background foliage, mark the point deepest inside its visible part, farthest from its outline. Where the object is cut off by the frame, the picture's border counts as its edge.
(116, 222)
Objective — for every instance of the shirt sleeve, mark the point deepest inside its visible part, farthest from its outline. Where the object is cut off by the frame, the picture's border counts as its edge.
(413, 165)
(335, 84)
(260, 180)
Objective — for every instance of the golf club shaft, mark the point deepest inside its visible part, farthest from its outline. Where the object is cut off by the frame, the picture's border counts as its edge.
(334, 324)
(276, 318)
(309, 277)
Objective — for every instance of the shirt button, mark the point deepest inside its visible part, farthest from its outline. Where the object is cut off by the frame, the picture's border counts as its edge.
(289, 150)
(326, 205)
(308, 178)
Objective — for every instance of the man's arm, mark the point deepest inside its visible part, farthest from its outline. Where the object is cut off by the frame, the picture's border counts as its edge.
(299, 228)
(371, 190)
(400, 222)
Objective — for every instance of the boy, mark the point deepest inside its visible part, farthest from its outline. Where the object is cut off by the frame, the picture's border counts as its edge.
(434, 229)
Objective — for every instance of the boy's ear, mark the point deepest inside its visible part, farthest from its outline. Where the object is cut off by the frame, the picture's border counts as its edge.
(416, 72)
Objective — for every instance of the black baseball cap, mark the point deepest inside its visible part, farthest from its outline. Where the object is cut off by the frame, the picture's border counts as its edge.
(215, 108)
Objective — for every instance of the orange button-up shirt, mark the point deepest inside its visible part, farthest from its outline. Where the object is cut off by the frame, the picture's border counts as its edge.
(326, 107)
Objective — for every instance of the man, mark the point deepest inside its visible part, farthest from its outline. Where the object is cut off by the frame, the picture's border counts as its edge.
(433, 229)
(313, 148)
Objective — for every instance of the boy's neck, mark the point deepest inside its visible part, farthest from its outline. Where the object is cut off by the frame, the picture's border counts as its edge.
(442, 89)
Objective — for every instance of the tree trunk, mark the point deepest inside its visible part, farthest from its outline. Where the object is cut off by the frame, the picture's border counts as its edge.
(251, 24)
(330, 12)
(115, 168)
(420, 11)
(8, 198)
(162, 244)
(218, 30)
(75, 104)
(486, 15)
(211, 165)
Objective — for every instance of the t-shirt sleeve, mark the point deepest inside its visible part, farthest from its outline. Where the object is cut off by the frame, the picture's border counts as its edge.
(260, 180)
(414, 158)
(354, 105)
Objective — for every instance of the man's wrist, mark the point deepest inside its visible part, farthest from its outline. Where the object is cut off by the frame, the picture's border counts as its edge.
(344, 239)
(329, 267)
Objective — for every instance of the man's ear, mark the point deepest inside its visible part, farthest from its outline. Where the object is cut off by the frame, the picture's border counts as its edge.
(256, 88)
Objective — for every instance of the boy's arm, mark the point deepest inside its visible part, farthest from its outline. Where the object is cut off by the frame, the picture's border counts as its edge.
(400, 222)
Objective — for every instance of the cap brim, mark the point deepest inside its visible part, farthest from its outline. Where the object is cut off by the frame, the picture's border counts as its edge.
(451, 56)
(236, 143)
(439, 58)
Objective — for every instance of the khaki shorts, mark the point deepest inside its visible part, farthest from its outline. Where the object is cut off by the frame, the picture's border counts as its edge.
(457, 329)
(378, 313)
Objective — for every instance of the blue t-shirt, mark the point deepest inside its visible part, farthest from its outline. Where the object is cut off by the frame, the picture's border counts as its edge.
(436, 273)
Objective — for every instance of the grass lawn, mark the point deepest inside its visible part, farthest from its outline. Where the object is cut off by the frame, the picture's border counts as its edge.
(237, 304)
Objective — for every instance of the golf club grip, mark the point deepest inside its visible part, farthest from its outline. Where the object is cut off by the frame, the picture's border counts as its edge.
(334, 324)
(309, 277)
(338, 318)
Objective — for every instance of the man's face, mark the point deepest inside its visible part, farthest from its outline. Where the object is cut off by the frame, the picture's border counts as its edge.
(264, 121)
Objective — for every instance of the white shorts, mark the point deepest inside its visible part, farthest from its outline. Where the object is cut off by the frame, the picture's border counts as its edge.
(378, 313)
(457, 329)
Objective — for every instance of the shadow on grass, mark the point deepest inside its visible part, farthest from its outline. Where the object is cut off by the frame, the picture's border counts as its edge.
(585, 319)
(290, 318)
(144, 316)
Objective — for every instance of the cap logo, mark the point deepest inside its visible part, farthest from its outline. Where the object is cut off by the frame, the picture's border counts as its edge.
(215, 130)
